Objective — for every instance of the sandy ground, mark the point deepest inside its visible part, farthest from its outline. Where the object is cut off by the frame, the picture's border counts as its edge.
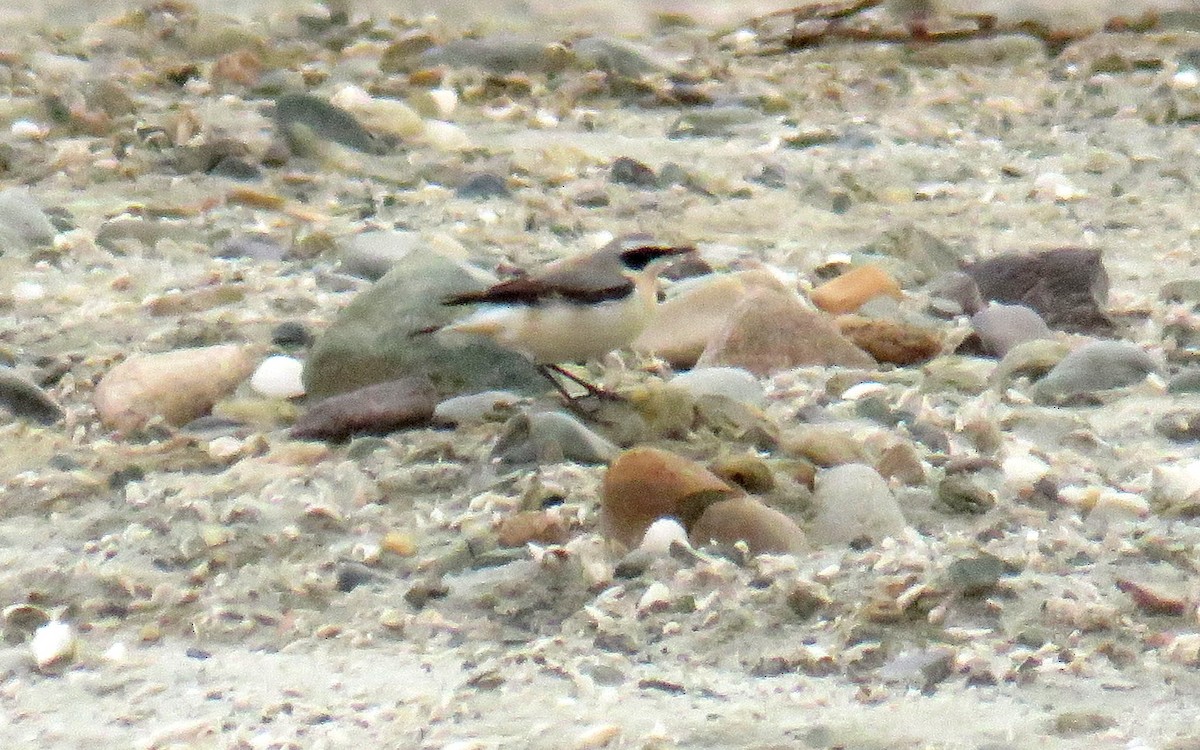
(257, 651)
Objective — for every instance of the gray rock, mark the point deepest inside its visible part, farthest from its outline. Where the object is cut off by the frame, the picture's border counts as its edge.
(372, 254)
(1094, 366)
(1001, 327)
(959, 288)
(621, 57)
(378, 336)
(627, 171)
(852, 502)
(1180, 290)
(731, 382)
(716, 122)
(253, 246)
(483, 185)
(323, 120)
(497, 54)
(25, 400)
(475, 407)
(916, 255)
(23, 223)
(551, 436)
(1185, 381)
(1067, 286)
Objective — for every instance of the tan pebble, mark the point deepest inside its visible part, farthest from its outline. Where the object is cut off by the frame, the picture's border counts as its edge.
(684, 324)
(242, 67)
(399, 543)
(771, 331)
(252, 198)
(1154, 599)
(178, 386)
(645, 484)
(150, 633)
(891, 341)
(901, 462)
(750, 473)
(298, 454)
(852, 289)
(538, 526)
(746, 519)
(824, 446)
(597, 736)
(330, 630)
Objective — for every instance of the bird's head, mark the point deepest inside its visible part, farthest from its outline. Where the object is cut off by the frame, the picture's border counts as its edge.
(647, 261)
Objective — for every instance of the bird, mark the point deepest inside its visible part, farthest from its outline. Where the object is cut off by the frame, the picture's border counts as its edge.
(572, 310)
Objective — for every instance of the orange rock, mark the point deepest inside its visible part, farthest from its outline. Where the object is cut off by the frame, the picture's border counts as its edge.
(540, 526)
(178, 386)
(645, 484)
(771, 331)
(852, 289)
(891, 341)
(746, 519)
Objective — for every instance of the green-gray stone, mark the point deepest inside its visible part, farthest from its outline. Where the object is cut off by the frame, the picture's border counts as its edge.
(378, 337)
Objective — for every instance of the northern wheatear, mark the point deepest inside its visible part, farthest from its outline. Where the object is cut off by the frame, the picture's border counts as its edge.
(573, 310)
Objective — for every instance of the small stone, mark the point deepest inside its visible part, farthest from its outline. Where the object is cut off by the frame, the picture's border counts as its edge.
(374, 410)
(178, 386)
(848, 292)
(853, 502)
(1095, 366)
(621, 57)
(1182, 427)
(684, 324)
(1001, 327)
(551, 437)
(960, 289)
(645, 484)
(399, 543)
(351, 575)
(1153, 599)
(323, 120)
(901, 462)
(824, 446)
(1180, 290)
(730, 382)
(770, 331)
(959, 494)
(1075, 722)
(891, 341)
(476, 407)
(291, 333)
(662, 535)
(976, 576)
(912, 255)
(627, 171)
(502, 54)
(536, 526)
(1068, 287)
(483, 185)
(24, 400)
(23, 223)
(370, 255)
(1031, 359)
(279, 377)
(259, 247)
(746, 519)
(53, 646)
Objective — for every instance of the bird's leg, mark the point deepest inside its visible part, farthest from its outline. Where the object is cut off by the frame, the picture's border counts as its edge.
(591, 388)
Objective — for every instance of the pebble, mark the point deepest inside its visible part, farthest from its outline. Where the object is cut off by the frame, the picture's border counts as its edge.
(24, 400)
(891, 341)
(475, 407)
(959, 288)
(746, 519)
(291, 333)
(552, 437)
(627, 171)
(23, 223)
(853, 502)
(771, 331)
(1175, 489)
(258, 247)
(279, 377)
(178, 386)
(1032, 358)
(1095, 366)
(53, 646)
(483, 185)
(323, 120)
(621, 57)
(661, 536)
(848, 292)
(1001, 327)
(1155, 598)
(371, 254)
(684, 324)
(730, 382)
(372, 410)
(1068, 286)
(912, 255)
(645, 484)
(532, 526)
(498, 53)
(375, 337)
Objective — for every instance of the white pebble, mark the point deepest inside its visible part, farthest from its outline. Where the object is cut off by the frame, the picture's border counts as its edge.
(661, 535)
(445, 100)
(656, 598)
(1055, 186)
(445, 136)
(53, 644)
(279, 377)
(731, 382)
(29, 130)
(28, 291)
(1022, 471)
(1186, 79)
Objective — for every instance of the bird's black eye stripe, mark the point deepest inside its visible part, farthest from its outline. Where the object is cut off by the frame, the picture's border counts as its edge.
(638, 258)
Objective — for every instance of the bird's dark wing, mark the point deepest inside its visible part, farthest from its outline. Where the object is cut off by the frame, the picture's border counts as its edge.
(536, 291)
